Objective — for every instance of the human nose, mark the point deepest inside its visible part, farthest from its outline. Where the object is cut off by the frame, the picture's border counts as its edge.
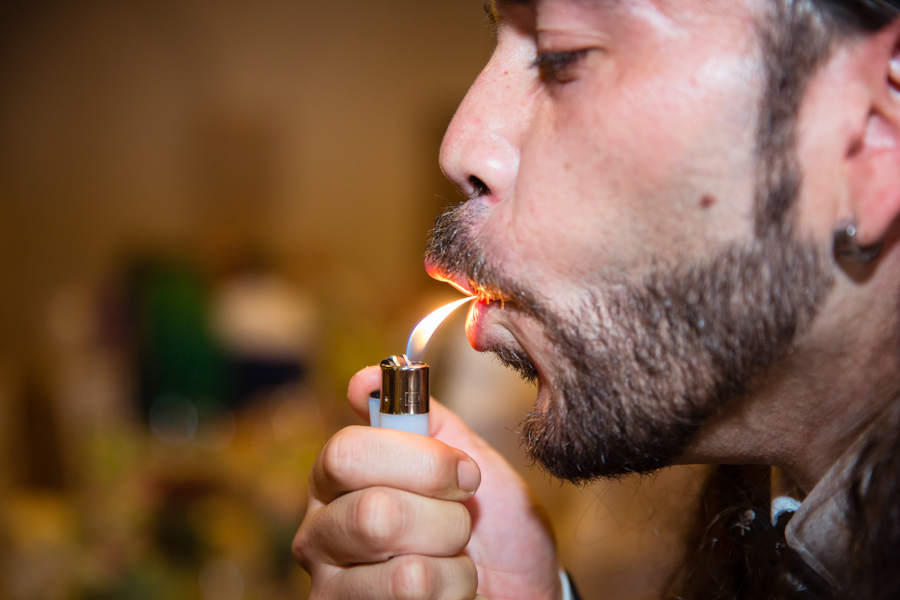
(481, 149)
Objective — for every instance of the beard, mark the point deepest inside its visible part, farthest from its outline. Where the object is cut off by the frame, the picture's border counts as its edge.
(640, 366)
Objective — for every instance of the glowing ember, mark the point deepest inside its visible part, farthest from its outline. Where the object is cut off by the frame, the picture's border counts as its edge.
(421, 335)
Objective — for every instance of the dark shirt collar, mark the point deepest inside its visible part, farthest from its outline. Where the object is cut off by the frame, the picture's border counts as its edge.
(818, 531)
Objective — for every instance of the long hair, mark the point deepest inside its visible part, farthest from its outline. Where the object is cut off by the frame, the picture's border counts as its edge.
(736, 553)
(874, 513)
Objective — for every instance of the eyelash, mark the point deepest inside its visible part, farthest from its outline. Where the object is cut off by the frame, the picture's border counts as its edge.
(553, 66)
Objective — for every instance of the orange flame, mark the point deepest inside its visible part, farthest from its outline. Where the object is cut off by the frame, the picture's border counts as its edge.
(421, 335)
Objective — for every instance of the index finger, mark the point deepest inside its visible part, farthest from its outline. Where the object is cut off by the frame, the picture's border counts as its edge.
(362, 384)
(356, 458)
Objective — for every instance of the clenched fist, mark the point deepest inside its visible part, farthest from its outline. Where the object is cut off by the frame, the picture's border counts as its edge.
(396, 515)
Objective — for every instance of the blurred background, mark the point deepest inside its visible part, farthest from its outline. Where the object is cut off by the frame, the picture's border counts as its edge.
(212, 213)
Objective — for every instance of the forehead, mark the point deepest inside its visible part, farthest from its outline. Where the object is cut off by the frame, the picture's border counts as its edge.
(709, 18)
(494, 8)
(500, 3)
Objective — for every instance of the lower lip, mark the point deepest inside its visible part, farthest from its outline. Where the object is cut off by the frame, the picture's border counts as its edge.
(476, 323)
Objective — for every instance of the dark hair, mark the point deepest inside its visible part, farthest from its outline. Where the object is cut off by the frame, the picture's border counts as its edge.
(736, 552)
(797, 36)
(860, 15)
(874, 513)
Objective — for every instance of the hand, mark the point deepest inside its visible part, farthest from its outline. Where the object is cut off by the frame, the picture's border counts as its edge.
(392, 515)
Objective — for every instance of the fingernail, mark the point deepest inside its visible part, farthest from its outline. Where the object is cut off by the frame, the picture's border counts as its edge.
(469, 476)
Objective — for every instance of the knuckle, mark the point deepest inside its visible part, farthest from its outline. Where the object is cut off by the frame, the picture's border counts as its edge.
(463, 524)
(323, 589)
(469, 577)
(378, 517)
(339, 456)
(301, 548)
(412, 579)
(441, 472)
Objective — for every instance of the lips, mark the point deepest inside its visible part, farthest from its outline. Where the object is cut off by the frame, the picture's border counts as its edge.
(477, 324)
(475, 321)
(484, 313)
(455, 279)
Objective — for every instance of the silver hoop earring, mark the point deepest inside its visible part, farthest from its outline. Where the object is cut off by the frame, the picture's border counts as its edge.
(846, 248)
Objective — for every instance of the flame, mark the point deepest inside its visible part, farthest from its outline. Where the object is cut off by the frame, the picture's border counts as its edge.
(421, 335)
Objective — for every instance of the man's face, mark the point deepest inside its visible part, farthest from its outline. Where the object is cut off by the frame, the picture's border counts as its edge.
(610, 151)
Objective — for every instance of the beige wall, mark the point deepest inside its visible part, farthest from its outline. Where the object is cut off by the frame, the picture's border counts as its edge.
(183, 124)
(310, 126)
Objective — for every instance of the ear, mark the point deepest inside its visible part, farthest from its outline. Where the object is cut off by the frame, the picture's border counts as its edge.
(873, 162)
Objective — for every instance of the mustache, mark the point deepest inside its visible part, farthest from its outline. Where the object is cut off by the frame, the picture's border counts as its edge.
(453, 251)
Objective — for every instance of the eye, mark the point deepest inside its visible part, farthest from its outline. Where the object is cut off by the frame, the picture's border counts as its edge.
(558, 67)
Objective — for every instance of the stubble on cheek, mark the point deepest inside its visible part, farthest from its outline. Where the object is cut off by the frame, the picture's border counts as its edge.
(630, 374)
(644, 368)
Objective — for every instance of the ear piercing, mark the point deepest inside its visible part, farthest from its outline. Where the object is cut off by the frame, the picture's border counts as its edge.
(846, 248)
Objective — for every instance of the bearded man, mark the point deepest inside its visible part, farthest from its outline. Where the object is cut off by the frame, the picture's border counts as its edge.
(682, 224)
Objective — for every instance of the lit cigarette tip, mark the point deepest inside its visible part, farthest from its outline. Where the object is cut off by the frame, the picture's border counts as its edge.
(421, 335)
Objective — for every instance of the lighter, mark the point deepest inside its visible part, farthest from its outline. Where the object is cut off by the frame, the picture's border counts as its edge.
(402, 403)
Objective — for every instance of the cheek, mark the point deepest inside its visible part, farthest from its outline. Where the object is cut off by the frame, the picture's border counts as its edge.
(536, 242)
(825, 133)
(615, 176)
(638, 187)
